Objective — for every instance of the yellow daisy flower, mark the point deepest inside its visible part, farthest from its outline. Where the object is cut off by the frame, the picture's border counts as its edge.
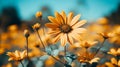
(114, 51)
(113, 63)
(17, 55)
(65, 28)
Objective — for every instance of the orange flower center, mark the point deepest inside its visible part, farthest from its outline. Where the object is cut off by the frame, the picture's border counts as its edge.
(65, 28)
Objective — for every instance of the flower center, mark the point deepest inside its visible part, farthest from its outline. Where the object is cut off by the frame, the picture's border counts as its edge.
(65, 28)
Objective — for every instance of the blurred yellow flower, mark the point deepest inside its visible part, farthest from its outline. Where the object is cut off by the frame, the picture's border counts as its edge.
(49, 62)
(38, 14)
(17, 55)
(115, 52)
(106, 35)
(36, 26)
(84, 57)
(87, 44)
(65, 28)
(26, 33)
(113, 63)
(7, 65)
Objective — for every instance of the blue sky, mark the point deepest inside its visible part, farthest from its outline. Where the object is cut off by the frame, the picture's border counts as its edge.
(90, 9)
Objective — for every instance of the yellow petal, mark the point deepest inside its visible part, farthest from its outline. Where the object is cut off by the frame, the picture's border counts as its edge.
(70, 16)
(10, 59)
(10, 54)
(114, 61)
(23, 54)
(109, 64)
(55, 39)
(119, 63)
(64, 16)
(75, 35)
(94, 60)
(79, 30)
(59, 18)
(118, 51)
(70, 39)
(74, 20)
(112, 51)
(51, 25)
(55, 31)
(63, 39)
(17, 53)
(53, 20)
(80, 23)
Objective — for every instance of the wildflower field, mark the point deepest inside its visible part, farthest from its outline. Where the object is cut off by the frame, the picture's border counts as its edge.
(64, 40)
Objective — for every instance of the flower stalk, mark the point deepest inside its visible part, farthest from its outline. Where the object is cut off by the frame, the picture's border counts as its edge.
(22, 64)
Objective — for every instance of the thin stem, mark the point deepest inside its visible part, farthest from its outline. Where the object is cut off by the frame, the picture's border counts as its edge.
(57, 59)
(100, 47)
(65, 49)
(27, 47)
(22, 63)
(40, 39)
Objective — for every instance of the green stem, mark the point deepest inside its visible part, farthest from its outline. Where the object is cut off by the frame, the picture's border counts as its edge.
(40, 39)
(27, 47)
(21, 63)
(57, 59)
(65, 49)
(100, 47)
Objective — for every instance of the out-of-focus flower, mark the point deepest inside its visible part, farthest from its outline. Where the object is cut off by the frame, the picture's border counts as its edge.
(49, 62)
(36, 26)
(115, 52)
(87, 44)
(17, 55)
(26, 33)
(87, 57)
(65, 28)
(113, 63)
(38, 14)
(102, 21)
(106, 35)
(7, 65)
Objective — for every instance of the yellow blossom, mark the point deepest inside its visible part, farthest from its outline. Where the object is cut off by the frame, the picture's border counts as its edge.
(114, 51)
(113, 63)
(65, 28)
(26, 33)
(17, 55)
(87, 44)
(38, 14)
(36, 26)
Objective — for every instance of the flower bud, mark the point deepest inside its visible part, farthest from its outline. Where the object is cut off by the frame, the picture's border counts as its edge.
(36, 26)
(38, 15)
(26, 33)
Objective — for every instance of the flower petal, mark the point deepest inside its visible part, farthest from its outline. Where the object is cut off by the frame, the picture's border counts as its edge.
(59, 18)
(64, 16)
(70, 39)
(80, 23)
(17, 53)
(55, 39)
(114, 61)
(118, 51)
(70, 16)
(119, 63)
(109, 64)
(51, 25)
(63, 39)
(79, 30)
(53, 20)
(75, 20)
